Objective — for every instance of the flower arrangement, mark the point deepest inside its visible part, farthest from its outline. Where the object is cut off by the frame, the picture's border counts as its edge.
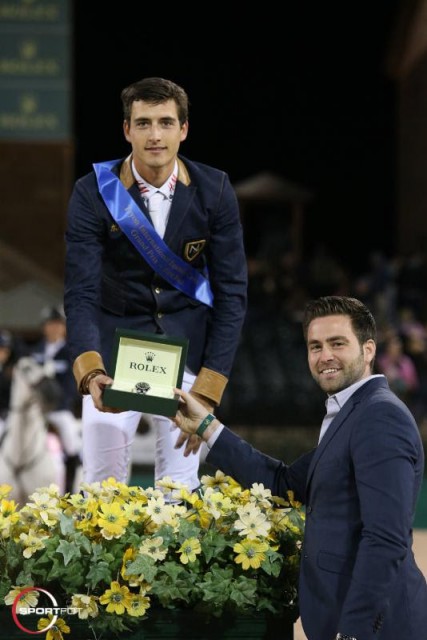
(113, 551)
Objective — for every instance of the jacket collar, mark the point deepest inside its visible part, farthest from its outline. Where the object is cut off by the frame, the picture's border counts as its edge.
(127, 177)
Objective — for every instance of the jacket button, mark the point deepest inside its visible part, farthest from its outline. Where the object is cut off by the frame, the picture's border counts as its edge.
(160, 314)
(309, 509)
(157, 290)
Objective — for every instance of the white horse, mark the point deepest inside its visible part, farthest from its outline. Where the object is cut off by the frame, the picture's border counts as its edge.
(26, 461)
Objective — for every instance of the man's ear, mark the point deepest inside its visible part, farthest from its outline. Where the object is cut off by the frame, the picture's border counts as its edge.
(126, 130)
(184, 131)
(369, 349)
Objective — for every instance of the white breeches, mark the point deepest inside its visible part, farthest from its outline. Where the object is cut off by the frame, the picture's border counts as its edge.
(68, 429)
(108, 439)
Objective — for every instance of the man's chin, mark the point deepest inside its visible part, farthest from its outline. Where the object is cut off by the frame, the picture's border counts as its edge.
(330, 386)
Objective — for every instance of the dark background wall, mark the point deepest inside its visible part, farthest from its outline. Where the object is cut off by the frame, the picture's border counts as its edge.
(305, 95)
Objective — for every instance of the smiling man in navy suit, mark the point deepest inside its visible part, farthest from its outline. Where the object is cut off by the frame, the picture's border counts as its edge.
(153, 243)
(358, 576)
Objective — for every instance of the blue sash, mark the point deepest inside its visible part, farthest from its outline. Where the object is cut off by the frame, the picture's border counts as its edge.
(146, 240)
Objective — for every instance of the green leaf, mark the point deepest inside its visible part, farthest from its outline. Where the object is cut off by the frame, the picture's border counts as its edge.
(143, 565)
(66, 524)
(69, 551)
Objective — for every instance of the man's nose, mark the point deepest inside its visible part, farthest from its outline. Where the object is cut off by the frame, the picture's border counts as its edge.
(326, 353)
(155, 131)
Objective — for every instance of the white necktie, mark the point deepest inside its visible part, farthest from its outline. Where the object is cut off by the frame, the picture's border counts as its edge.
(155, 207)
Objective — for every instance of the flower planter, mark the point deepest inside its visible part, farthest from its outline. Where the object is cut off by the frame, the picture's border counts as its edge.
(164, 624)
(110, 555)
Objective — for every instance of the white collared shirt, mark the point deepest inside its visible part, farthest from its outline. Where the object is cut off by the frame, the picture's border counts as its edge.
(167, 189)
(337, 401)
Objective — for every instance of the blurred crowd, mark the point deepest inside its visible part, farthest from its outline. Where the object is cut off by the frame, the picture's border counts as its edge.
(270, 383)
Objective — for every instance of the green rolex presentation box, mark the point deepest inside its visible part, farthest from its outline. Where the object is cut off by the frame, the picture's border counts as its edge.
(146, 367)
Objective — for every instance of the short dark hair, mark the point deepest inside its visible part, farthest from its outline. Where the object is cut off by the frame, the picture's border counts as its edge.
(155, 91)
(361, 318)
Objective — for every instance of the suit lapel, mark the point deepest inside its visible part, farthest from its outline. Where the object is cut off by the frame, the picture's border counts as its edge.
(339, 420)
(180, 207)
(336, 424)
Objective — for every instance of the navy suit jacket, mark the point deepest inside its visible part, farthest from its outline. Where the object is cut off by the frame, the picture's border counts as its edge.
(360, 486)
(108, 284)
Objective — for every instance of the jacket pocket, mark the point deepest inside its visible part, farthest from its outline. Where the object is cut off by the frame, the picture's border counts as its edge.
(335, 563)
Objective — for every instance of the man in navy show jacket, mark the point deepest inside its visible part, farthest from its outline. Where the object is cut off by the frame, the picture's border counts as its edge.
(108, 284)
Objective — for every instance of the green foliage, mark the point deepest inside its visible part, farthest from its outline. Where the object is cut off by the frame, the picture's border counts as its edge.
(221, 550)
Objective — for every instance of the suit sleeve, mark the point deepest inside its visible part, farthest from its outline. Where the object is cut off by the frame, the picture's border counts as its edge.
(228, 278)
(247, 465)
(84, 248)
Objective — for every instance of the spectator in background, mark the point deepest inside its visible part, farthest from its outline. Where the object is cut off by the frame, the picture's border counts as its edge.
(52, 349)
(398, 367)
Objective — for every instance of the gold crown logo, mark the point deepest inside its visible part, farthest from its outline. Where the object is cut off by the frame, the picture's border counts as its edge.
(149, 356)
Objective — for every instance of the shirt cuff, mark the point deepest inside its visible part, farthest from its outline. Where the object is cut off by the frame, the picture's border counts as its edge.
(214, 437)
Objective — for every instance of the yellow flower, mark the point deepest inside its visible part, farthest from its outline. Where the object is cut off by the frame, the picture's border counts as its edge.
(46, 506)
(115, 489)
(128, 557)
(193, 499)
(112, 520)
(171, 485)
(251, 553)
(135, 511)
(216, 503)
(77, 500)
(138, 604)
(29, 518)
(189, 549)
(5, 489)
(153, 547)
(117, 598)
(172, 545)
(86, 605)
(220, 480)
(8, 508)
(8, 516)
(27, 600)
(261, 495)
(32, 542)
(86, 519)
(156, 509)
(252, 522)
(55, 632)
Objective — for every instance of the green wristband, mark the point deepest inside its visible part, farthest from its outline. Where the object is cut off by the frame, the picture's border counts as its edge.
(204, 424)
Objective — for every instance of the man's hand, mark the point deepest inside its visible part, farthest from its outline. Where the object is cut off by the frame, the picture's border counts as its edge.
(192, 410)
(96, 386)
(192, 443)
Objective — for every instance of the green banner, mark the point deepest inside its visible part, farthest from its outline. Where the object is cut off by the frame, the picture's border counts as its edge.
(35, 76)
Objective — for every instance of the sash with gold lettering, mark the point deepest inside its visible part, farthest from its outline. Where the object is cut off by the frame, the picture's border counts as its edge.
(146, 240)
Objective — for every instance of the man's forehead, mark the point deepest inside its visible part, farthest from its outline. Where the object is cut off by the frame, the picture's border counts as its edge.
(333, 325)
(149, 110)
